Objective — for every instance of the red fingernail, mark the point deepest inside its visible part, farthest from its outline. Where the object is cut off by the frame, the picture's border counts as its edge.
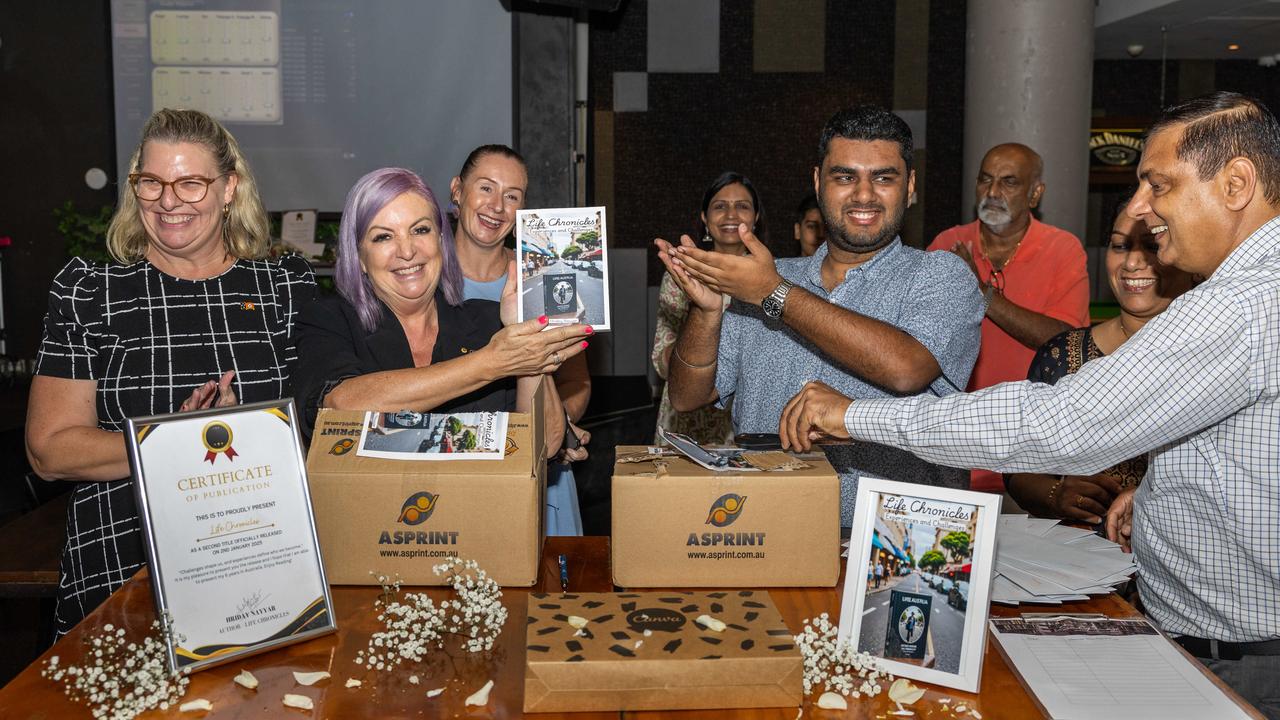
(584, 344)
(542, 320)
(590, 329)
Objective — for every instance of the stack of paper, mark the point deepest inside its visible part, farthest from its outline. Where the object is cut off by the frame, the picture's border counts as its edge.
(1108, 668)
(1040, 561)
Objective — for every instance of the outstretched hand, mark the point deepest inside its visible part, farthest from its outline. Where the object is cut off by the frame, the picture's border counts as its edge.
(530, 348)
(815, 413)
(703, 297)
(748, 278)
(214, 393)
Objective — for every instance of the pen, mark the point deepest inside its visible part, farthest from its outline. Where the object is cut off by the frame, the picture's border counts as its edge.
(564, 573)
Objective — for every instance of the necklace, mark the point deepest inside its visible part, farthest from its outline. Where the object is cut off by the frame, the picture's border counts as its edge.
(1005, 264)
(1124, 329)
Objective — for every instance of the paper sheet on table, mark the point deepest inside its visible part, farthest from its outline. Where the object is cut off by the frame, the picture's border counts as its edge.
(1064, 558)
(1104, 677)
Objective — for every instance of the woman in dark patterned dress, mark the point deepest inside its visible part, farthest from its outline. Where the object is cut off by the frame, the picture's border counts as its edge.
(1144, 288)
(189, 316)
(730, 200)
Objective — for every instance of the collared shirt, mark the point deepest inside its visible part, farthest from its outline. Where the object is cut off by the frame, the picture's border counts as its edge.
(763, 363)
(1047, 274)
(1198, 388)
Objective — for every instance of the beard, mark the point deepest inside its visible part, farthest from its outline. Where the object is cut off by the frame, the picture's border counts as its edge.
(994, 212)
(862, 243)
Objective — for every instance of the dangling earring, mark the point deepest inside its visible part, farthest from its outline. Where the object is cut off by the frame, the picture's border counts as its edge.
(706, 239)
(226, 211)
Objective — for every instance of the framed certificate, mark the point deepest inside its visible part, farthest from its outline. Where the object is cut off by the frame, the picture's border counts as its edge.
(226, 516)
(918, 580)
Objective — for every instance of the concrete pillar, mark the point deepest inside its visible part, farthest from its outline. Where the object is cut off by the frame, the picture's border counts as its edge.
(1029, 79)
(544, 114)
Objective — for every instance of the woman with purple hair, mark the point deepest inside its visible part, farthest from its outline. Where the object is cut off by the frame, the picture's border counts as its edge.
(399, 335)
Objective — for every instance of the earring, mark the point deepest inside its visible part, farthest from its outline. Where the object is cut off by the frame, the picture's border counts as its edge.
(226, 211)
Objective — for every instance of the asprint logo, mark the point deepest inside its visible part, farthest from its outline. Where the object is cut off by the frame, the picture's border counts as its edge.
(725, 510)
(342, 447)
(417, 508)
(415, 511)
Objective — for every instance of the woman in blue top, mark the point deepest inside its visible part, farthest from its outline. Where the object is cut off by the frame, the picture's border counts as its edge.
(488, 192)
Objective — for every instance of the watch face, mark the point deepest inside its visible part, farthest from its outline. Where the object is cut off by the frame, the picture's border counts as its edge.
(771, 307)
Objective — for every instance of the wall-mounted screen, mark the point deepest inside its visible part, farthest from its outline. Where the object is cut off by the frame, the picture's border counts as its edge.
(319, 92)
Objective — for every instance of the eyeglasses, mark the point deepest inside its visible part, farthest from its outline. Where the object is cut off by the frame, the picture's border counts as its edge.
(189, 189)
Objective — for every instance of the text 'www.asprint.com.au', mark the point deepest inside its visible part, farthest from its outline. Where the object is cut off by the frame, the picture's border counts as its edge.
(727, 555)
(418, 553)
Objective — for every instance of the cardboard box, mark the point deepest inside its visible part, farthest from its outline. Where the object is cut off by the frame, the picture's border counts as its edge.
(677, 524)
(484, 510)
(612, 665)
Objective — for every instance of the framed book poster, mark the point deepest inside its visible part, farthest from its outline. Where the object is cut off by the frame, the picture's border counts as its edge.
(563, 260)
(918, 580)
(229, 531)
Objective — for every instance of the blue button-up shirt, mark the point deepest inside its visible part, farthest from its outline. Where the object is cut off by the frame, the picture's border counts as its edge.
(763, 363)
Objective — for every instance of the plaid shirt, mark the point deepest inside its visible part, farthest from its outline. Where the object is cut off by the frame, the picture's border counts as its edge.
(1197, 389)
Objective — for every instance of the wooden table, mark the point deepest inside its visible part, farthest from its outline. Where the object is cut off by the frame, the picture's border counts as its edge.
(30, 548)
(393, 696)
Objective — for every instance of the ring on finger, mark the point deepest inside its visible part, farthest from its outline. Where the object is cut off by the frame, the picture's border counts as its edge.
(555, 358)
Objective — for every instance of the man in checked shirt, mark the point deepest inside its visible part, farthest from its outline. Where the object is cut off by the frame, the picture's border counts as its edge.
(1198, 388)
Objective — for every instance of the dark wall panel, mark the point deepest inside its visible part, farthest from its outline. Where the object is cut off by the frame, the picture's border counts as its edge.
(764, 125)
(56, 123)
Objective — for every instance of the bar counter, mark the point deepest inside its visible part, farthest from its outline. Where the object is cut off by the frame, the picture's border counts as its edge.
(391, 695)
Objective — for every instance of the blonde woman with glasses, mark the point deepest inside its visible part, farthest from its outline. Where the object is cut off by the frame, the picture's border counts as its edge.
(189, 316)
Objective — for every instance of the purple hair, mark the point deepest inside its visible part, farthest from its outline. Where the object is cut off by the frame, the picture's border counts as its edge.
(366, 199)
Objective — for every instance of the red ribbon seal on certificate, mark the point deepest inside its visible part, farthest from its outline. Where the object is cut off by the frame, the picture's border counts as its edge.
(217, 439)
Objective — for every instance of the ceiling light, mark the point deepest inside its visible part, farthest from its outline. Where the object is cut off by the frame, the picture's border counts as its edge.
(1233, 47)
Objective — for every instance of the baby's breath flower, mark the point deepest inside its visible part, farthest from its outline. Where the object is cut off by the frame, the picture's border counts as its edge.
(415, 624)
(835, 666)
(126, 679)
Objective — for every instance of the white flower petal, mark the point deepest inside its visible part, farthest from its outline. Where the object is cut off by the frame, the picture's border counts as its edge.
(832, 701)
(481, 696)
(247, 680)
(310, 678)
(301, 702)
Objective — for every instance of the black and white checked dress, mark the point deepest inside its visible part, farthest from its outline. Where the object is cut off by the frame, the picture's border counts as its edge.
(148, 339)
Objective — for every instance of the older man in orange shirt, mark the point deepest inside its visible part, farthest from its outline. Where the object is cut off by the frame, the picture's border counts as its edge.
(1033, 275)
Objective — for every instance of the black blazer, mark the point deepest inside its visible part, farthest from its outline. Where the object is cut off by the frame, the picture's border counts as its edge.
(333, 346)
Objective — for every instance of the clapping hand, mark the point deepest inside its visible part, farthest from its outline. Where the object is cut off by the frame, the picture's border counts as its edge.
(962, 251)
(703, 297)
(748, 278)
(214, 393)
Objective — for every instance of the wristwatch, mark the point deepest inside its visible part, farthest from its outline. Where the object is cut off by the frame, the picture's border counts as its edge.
(776, 300)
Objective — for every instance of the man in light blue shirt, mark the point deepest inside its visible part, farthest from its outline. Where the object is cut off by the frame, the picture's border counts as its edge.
(866, 313)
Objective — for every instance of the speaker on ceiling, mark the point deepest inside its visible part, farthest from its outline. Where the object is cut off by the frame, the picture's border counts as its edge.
(592, 5)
